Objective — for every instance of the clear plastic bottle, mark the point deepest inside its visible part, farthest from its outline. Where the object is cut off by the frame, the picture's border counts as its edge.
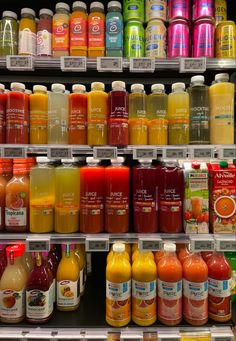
(8, 34)
(78, 29)
(39, 115)
(114, 30)
(60, 41)
(96, 30)
(27, 33)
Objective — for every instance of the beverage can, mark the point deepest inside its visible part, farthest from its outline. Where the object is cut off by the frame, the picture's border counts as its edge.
(220, 10)
(203, 38)
(133, 9)
(156, 9)
(178, 9)
(203, 8)
(226, 40)
(178, 38)
(155, 43)
(134, 39)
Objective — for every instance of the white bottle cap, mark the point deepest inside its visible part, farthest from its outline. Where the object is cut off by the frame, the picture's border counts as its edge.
(41, 88)
(28, 92)
(27, 11)
(79, 4)
(62, 5)
(222, 77)
(17, 86)
(2, 87)
(78, 88)
(46, 11)
(71, 160)
(180, 86)
(98, 86)
(118, 85)
(42, 159)
(119, 159)
(114, 4)
(96, 4)
(9, 14)
(158, 87)
(137, 87)
(92, 160)
(169, 247)
(198, 79)
(118, 247)
(145, 160)
(58, 87)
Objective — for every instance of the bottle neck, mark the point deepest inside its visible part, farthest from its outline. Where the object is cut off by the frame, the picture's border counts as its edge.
(17, 261)
(158, 92)
(62, 11)
(79, 9)
(27, 16)
(17, 90)
(97, 9)
(40, 92)
(137, 92)
(178, 90)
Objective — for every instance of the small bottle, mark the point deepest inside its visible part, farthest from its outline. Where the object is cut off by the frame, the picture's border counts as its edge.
(114, 30)
(27, 33)
(96, 30)
(44, 33)
(61, 21)
(78, 29)
(3, 100)
(39, 115)
(8, 34)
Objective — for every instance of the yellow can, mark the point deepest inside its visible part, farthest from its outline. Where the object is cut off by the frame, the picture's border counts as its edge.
(155, 39)
(220, 10)
(226, 40)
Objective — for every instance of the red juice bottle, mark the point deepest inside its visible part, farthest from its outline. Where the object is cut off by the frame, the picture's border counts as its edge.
(3, 98)
(145, 197)
(17, 115)
(171, 195)
(3, 183)
(117, 183)
(118, 130)
(92, 185)
(3, 259)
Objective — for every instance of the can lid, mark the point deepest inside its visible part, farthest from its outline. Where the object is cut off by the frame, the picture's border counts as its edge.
(195, 165)
(156, 87)
(114, 4)
(58, 87)
(169, 247)
(119, 159)
(41, 88)
(17, 86)
(91, 159)
(223, 164)
(96, 4)
(180, 86)
(118, 247)
(222, 77)
(137, 87)
(27, 10)
(17, 250)
(78, 88)
(98, 86)
(198, 79)
(118, 85)
(9, 14)
(62, 5)
(79, 4)
(2, 87)
(46, 11)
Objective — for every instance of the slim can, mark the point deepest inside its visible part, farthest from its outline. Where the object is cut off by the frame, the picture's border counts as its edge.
(203, 8)
(226, 39)
(178, 9)
(204, 38)
(178, 38)
(220, 10)
(133, 9)
(156, 9)
(155, 41)
(134, 39)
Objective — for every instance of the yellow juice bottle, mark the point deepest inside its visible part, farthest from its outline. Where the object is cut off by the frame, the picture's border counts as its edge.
(97, 114)
(136, 253)
(82, 265)
(39, 115)
(111, 253)
(27, 33)
(118, 288)
(144, 276)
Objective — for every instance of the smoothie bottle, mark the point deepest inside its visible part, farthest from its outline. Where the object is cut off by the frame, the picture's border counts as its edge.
(78, 29)
(96, 30)
(44, 33)
(114, 30)
(3, 259)
(27, 33)
(8, 34)
(60, 40)
(3, 100)
(39, 115)
(3, 183)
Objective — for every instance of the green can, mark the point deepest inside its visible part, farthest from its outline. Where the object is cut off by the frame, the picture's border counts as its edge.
(134, 39)
(133, 9)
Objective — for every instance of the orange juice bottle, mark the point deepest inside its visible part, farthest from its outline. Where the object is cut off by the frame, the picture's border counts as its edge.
(111, 253)
(169, 273)
(183, 254)
(39, 115)
(60, 40)
(159, 255)
(27, 33)
(78, 29)
(96, 30)
(135, 255)
(144, 274)
(118, 288)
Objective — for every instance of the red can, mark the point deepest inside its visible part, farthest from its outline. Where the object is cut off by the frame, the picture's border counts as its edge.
(203, 38)
(178, 38)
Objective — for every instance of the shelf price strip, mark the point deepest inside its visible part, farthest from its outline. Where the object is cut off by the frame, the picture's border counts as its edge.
(202, 153)
(228, 153)
(175, 153)
(144, 153)
(105, 153)
(164, 336)
(38, 244)
(142, 64)
(131, 335)
(71, 64)
(150, 244)
(114, 64)
(225, 244)
(59, 153)
(14, 152)
(192, 65)
(202, 243)
(96, 244)
(20, 63)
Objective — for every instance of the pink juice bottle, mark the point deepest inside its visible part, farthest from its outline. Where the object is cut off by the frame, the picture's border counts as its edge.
(204, 38)
(3, 259)
(179, 9)
(178, 38)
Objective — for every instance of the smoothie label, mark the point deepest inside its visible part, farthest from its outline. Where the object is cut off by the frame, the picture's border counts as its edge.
(44, 43)
(156, 9)
(27, 42)
(39, 304)
(77, 116)
(219, 298)
(78, 33)
(144, 299)
(60, 35)
(68, 293)
(114, 36)
(195, 300)
(12, 303)
(15, 217)
(96, 28)
(118, 304)
(170, 300)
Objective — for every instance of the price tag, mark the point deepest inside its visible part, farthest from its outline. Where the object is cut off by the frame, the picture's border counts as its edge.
(96, 244)
(111, 64)
(153, 244)
(38, 244)
(164, 336)
(20, 63)
(202, 243)
(226, 244)
(96, 335)
(105, 153)
(131, 335)
(202, 153)
(221, 336)
(144, 153)
(71, 64)
(14, 152)
(68, 334)
(175, 153)
(192, 65)
(150, 336)
(142, 64)
(59, 153)
(228, 153)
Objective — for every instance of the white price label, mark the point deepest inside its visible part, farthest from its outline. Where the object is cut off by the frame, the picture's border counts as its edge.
(144, 153)
(105, 153)
(59, 153)
(131, 335)
(14, 152)
(164, 336)
(78, 64)
(37, 244)
(228, 153)
(96, 335)
(227, 336)
(111, 64)
(142, 64)
(96, 244)
(226, 244)
(150, 244)
(20, 63)
(202, 245)
(202, 153)
(192, 65)
(175, 153)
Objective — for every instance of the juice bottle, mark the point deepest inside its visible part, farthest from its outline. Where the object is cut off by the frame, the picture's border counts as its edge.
(92, 191)
(60, 39)
(53, 263)
(220, 273)
(44, 33)
(12, 287)
(136, 254)
(58, 115)
(114, 30)
(67, 197)
(183, 254)
(68, 281)
(39, 115)
(231, 257)
(159, 255)
(17, 199)
(195, 290)
(17, 115)
(3, 183)
(96, 30)
(157, 116)
(82, 265)
(28, 262)
(8, 34)
(111, 253)
(97, 114)
(138, 124)
(169, 273)
(78, 115)
(7, 166)
(42, 196)
(3, 259)
(27, 33)
(145, 197)
(178, 114)
(3, 99)
(144, 274)
(222, 110)
(206, 255)
(118, 288)
(78, 29)
(39, 299)
(117, 183)
(118, 131)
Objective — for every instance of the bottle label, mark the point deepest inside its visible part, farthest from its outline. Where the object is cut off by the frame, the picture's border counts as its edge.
(195, 300)
(39, 304)
(219, 288)
(68, 293)
(15, 118)
(219, 298)
(144, 300)
(8, 38)
(27, 42)
(170, 300)
(60, 35)
(12, 304)
(44, 43)
(119, 112)
(77, 117)
(16, 217)
(78, 33)
(114, 33)
(96, 30)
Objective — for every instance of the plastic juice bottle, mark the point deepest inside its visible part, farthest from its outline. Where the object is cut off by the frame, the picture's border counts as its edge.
(157, 116)
(169, 273)
(92, 191)
(183, 254)
(145, 197)
(118, 131)
(3, 100)
(138, 124)
(195, 290)
(7, 165)
(231, 257)
(206, 255)
(8, 34)
(82, 265)
(17, 115)
(222, 110)
(27, 33)
(39, 115)
(114, 30)
(44, 33)
(61, 22)
(78, 115)
(39, 296)
(67, 197)
(118, 288)
(28, 262)
(136, 254)
(78, 29)
(58, 115)
(3, 259)
(178, 114)
(128, 253)
(42, 196)
(96, 30)
(3, 183)
(17, 199)
(111, 254)
(220, 273)
(117, 183)
(158, 256)
(144, 275)
(53, 265)
(12, 287)
(97, 114)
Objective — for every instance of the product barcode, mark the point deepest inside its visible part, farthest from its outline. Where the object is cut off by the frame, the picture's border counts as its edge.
(192, 64)
(74, 64)
(150, 245)
(96, 245)
(203, 153)
(114, 64)
(58, 153)
(144, 153)
(175, 153)
(20, 63)
(14, 152)
(142, 65)
(105, 153)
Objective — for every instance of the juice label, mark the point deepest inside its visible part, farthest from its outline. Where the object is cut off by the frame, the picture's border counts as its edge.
(39, 304)
(117, 203)
(60, 35)
(144, 300)
(144, 201)
(223, 115)
(16, 217)
(219, 298)
(78, 33)
(41, 210)
(118, 303)
(195, 300)
(68, 293)
(77, 117)
(170, 300)
(119, 112)
(114, 33)
(96, 30)
(27, 42)
(44, 43)
(12, 303)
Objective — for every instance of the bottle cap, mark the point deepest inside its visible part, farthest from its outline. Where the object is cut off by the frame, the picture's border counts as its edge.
(79, 4)
(180, 86)
(145, 160)
(78, 88)
(118, 247)
(17, 86)
(169, 247)
(9, 14)
(118, 84)
(62, 5)
(119, 159)
(114, 4)
(28, 92)
(2, 87)
(198, 79)
(46, 11)
(42, 159)
(58, 87)
(98, 86)
(158, 87)
(92, 160)
(196, 165)
(137, 87)
(27, 11)
(223, 164)
(96, 4)
(41, 88)
(17, 250)
(222, 77)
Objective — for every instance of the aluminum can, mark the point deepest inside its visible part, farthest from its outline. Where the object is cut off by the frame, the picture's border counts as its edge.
(134, 39)
(155, 41)
(226, 40)
(220, 10)
(133, 9)
(178, 38)
(203, 8)
(204, 38)
(156, 9)
(178, 9)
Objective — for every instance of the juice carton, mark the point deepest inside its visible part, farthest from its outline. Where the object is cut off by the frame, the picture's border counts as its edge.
(196, 202)
(222, 179)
